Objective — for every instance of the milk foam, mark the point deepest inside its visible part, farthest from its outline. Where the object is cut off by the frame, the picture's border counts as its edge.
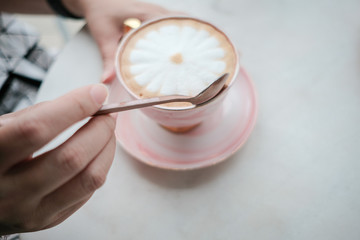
(176, 60)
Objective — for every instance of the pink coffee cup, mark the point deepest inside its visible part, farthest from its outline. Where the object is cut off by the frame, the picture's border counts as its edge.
(185, 118)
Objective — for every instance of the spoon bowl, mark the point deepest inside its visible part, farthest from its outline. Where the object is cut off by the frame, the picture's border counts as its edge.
(211, 91)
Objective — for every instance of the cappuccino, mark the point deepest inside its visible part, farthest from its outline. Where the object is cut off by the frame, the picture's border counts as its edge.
(175, 56)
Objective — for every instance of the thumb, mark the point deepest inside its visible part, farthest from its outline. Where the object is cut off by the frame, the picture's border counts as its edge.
(30, 130)
(108, 72)
(108, 51)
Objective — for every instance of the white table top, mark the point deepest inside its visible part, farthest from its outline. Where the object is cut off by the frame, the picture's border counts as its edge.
(297, 177)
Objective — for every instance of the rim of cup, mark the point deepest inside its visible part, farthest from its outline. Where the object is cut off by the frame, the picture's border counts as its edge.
(128, 35)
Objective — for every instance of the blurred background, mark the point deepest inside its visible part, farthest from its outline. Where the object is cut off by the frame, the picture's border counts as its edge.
(29, 45)
(54, 31)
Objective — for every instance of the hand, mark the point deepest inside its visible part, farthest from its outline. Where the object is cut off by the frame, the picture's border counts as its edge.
(105, 20)
(40, 192)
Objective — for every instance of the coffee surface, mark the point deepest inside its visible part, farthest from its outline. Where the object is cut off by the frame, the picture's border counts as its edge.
(175, 57)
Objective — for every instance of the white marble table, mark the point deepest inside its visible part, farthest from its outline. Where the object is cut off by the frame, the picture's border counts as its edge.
(298, 175)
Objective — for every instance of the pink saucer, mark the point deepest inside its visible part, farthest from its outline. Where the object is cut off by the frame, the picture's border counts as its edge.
(210, 143)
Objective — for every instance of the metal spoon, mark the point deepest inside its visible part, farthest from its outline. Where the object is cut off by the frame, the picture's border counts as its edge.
(207, 94)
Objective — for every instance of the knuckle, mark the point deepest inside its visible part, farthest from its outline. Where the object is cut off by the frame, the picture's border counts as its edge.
(109, 123)
(80, 106)
(32, 131)
(107, 126)
(92, 180)
(71, 158)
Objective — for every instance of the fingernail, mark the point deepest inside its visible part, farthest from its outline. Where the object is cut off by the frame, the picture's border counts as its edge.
(108, 74)
(99, 93)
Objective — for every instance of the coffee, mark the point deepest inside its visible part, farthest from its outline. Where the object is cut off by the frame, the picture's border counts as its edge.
(175, 56)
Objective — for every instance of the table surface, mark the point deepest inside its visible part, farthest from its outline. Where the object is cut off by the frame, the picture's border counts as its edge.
(297, 177)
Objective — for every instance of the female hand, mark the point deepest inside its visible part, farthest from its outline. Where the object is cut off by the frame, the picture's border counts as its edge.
(105, 19)
(40, 192)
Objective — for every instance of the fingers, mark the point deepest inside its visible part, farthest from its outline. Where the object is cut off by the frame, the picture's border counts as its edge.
(65, 207)
(23, 133)
(108, 50)
(107, 34)
(51, 170)
(84, 184)
(87, 155)
(108, 45)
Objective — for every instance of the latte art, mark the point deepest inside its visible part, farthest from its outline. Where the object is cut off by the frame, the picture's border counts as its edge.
(177, 61)
(175, 57)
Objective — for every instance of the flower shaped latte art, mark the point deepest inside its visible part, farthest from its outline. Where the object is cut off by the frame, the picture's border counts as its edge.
(175, 60)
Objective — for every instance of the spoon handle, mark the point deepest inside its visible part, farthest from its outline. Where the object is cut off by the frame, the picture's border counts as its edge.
(140, 103)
